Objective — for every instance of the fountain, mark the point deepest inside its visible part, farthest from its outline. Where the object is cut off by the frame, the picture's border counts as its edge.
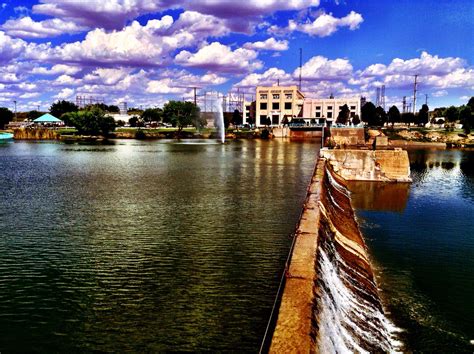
(219, 117)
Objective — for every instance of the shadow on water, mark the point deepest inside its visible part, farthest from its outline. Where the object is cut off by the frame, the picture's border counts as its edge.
(379, 195)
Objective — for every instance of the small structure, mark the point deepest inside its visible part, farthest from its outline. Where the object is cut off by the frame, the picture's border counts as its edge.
(48, 120)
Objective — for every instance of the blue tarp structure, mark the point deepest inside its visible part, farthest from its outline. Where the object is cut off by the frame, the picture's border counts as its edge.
(47, 118)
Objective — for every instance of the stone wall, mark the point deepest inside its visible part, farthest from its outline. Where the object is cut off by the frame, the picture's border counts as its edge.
(370, 165)
(348, 136)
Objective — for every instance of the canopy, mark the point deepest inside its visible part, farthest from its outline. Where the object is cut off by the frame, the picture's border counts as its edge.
(47, 118)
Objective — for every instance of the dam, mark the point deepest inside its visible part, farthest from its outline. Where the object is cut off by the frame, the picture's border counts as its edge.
(331, 302)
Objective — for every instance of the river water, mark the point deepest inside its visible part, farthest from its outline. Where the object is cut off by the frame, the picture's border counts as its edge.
(421, 238)
(145, 246)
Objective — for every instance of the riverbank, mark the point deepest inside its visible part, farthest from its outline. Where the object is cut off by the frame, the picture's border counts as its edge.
(424, 137)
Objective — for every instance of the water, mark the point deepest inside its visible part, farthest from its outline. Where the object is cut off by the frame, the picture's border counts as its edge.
(421, 238)
(145, 246)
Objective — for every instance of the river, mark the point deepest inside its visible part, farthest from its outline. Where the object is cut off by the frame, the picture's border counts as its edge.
(145, 246)
(421, 238)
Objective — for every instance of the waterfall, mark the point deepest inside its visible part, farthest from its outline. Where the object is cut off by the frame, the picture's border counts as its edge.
(349, 312)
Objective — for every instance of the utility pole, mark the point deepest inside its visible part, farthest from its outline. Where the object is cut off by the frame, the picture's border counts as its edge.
(278, 82)
(426, 99)
(414, 94)
(15, 108)
(195, 99)
(301, 65)
(404, 102)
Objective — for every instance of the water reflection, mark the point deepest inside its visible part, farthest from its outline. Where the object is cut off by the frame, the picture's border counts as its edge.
(379, 195)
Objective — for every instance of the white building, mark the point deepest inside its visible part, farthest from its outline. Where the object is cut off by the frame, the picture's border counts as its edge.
(329, 107)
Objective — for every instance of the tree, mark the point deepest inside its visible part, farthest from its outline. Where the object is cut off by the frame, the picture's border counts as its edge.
(452, 114)
(236, 117)
(91, 122)
(6, 117)
(57, 109)
(470, 103)
(32, 115)
(152, 115)
(408, 118)
(368, 114)
(394, 115)
(356, 120)
(343, 116)
(180, 114)
(133, 121)
(381, 117)
(423, 115)
(466, 117)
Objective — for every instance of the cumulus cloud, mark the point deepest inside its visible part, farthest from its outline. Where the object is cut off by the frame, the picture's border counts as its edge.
(10, 47)
(269, 44)
(219, 57)
(114, 14)
(268, 78)
(323, 26)
(65, 94)
(321, 68)
(440, 93)
(25, 27)
(57, 70)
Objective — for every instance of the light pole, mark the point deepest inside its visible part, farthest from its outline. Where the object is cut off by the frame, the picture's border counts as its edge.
(15, 108)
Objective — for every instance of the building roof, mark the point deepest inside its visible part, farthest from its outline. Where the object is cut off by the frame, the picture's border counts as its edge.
(47, 118)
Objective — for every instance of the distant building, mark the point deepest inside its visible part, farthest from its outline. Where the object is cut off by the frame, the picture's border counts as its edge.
(277, 105)
(329, 107)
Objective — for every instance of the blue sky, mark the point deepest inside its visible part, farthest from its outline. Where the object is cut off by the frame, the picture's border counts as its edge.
(147, 52)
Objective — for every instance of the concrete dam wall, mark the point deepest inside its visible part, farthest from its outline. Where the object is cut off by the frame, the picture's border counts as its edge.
(330, 302)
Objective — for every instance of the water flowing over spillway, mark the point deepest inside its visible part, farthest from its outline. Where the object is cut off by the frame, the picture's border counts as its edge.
(348, 311)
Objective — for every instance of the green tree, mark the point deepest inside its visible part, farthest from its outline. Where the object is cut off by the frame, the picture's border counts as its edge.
(133, 121)
(356, 120)
(236, 117)
(466, 117)
(381, 116)
(452, 114)
(408, 118)
(470, 103)
(57, 109)
(6, 117)
(32, 115)
(423, 115)
(91, 122)
(152, 115)
(343, 116)
(180, 114)
(394, 115)
(368, 114)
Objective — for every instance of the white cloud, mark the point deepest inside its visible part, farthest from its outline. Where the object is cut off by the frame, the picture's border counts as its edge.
(219, 57)
(269, 44)
(321, 68)
(324, 25)
(268, 78)
(107, 76)
(57, 69)
(440, 93)
(25, 27)
(65, 94)
(10, 48)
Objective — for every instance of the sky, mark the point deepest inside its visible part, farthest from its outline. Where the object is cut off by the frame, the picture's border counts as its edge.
(146, 52)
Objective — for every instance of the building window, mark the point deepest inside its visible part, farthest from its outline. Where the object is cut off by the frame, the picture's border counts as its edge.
(276, 96)
(275, 120)
(318, 108)
(329, 114)
(288, 105)
(263, 119)
(353, 107)
(318, 114)
(329, 108)
(263, 105)
(263, 97)
(275, 105)
(288, 96)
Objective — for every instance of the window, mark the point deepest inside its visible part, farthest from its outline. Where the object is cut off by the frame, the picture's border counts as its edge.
(318, 114)
(318, 108)
(263, 105)
(276, 96)
(275, 105)
(263, 119)
(288, 105)
(329, 108)
(329, 114)
(263, 97)
(353, 108)
(275, 120)
(288, 96)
